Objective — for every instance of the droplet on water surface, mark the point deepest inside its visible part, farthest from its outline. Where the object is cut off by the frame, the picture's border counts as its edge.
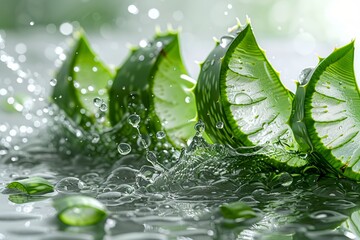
(69, 185)
(124, 148)
(199, 126)
(134, 120)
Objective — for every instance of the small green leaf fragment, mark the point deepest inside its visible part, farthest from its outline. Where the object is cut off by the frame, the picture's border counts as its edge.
(237, 210)
(33, 185)
(80, 210)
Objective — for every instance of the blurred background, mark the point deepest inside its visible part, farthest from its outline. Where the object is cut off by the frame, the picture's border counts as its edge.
(34, 34)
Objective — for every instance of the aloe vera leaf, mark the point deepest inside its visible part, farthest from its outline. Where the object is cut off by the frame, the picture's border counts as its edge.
(238, 87)
(79, 210)
(237, 210)
(33, 185)
(153, 83)
(81, 78)
(331, 112)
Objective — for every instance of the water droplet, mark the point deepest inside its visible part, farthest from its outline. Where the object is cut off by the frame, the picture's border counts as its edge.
(134, 120)
(225, 40)
(103, 107)
(141, 58)
(97, 101)
(304, 76)
(160, 135)
(199, 126)
(187, 99)
(69, 185)
(53, 82)
(124, 148)
(151, 157)
(242, 98)
(220, 125)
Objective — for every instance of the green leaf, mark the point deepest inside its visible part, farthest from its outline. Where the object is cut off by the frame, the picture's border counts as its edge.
(153, 83)
(80, 210)
(237, 210)
(331, 112)
(238, 87)
(33, 185)
(81, 79)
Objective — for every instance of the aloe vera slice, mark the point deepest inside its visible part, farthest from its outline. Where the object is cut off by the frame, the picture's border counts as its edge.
(82, 78)
(238, 87)
(153, 83)
(33, 185)
(331, 112)
(80, 210)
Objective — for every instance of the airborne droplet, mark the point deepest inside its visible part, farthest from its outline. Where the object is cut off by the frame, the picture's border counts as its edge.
(124, 148)
(160, 134)
(134, 120)
(97, 101)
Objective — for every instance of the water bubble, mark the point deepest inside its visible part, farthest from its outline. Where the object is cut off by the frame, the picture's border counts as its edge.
(124, 148)
(305, 75)
(53, 82)
(219, 125)
(160, 134)
(199, 126)
(69, 185)
(134, 120)
(103, 107)
(97, 101)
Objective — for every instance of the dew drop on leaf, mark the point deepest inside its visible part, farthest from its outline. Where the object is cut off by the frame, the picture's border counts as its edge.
(304, 76)
(220, 125)
(53, 82)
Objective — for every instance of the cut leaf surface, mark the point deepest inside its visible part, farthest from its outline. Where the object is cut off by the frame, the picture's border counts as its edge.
(80, 210)
(153, 83)
(332, 116)
(238, 87)
(81, 79)
(33, 185)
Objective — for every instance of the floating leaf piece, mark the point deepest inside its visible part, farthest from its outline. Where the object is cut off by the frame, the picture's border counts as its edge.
(331, 112)
(153, 83)
(33, 185)
(238, 87)
(80, 210)
(237, 210)
(81, 79)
